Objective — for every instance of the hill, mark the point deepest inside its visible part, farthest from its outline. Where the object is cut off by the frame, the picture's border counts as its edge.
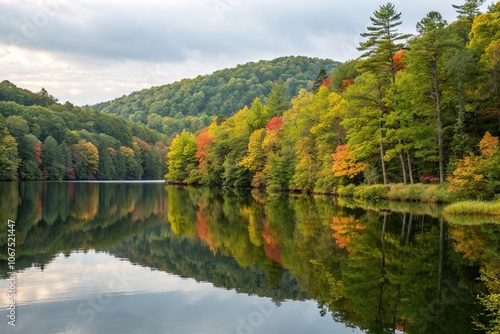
(192, 103)
(41, 139)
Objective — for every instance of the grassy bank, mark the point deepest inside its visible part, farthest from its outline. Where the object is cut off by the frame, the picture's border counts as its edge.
(427, 193)
(473, 208)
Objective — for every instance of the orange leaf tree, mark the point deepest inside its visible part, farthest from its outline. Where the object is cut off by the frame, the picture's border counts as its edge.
(344, 163)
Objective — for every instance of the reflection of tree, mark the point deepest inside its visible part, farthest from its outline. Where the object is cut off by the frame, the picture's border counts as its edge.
(63, 217)
(375, 269)
(480, 245)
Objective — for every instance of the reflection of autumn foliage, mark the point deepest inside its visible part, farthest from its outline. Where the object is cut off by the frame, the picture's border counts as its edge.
(39, 205)
(272, 246)
(203, 230)
(344, 228)
(466, 242)
(86, 203)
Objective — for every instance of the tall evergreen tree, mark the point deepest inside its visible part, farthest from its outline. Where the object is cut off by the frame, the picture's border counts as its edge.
(319, 80)
(426, 60)
(382, 44)
(383, 41)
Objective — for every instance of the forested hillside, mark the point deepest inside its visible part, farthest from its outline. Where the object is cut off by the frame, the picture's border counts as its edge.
(411, 108)
(192, 103)
(41, 139)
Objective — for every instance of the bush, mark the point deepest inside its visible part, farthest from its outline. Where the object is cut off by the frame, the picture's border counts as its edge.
(346, 191)
(372, 192)
(429, 179)
(406, 193)
(438, 194)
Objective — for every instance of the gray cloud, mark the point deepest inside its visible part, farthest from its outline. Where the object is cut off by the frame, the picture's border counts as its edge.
(174, 37)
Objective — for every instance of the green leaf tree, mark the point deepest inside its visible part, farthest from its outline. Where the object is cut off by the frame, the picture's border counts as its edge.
(181, 158)
(52, 160)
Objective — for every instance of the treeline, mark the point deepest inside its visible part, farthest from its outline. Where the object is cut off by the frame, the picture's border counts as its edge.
(192, 103)
(41, 139)
(421, 108)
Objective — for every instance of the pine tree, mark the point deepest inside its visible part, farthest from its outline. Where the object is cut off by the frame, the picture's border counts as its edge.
(318, 81)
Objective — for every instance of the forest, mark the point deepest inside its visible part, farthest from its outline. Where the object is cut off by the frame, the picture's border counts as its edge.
(192, 104)
(421, 108)
(41, 139)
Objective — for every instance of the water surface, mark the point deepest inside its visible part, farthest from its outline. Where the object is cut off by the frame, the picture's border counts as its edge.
(150, 258)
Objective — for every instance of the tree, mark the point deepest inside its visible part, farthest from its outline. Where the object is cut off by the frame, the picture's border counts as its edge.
(410, 126)
(344, 163)
(9, 160)
(255, 159)
(425, 61)
(318, 81)
(466, 14)
(85, 159)
(383, 41)
(277, 101)
(67, 158)
(52, 160)
(364, 121)
(469, 10)
(17, 126)
(29, 152)
(485, 43)
(182, 157)
(479, 176)
(133, 169)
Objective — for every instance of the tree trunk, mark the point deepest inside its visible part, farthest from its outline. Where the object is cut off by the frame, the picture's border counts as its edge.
(439, 125)
(410, 167)
(403, 167)
(382, 154)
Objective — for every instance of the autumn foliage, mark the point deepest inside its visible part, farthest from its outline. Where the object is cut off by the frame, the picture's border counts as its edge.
(488, 145)
(275, 124)
(477, 175)
(398, 60)
(344, 163)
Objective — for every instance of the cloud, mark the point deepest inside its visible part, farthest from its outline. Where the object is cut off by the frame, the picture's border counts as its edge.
(74, 48)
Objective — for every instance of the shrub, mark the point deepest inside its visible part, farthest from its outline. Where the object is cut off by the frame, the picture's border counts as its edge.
(372, 192)
(429, 179)
(346, 191)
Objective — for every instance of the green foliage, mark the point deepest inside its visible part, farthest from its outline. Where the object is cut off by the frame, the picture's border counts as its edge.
(52, 160)
(192, 103)
(372, 193)
(28, 119)
(181, 158)
(9, 160)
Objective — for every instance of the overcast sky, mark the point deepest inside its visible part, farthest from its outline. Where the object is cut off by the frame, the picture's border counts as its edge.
(89, 51)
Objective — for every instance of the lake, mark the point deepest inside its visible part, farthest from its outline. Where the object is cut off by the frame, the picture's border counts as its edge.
(150, 258)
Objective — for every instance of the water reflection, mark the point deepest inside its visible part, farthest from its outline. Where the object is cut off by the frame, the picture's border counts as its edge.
(379, 269)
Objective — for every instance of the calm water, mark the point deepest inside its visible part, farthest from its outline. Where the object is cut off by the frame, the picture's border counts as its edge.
(150, 258)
